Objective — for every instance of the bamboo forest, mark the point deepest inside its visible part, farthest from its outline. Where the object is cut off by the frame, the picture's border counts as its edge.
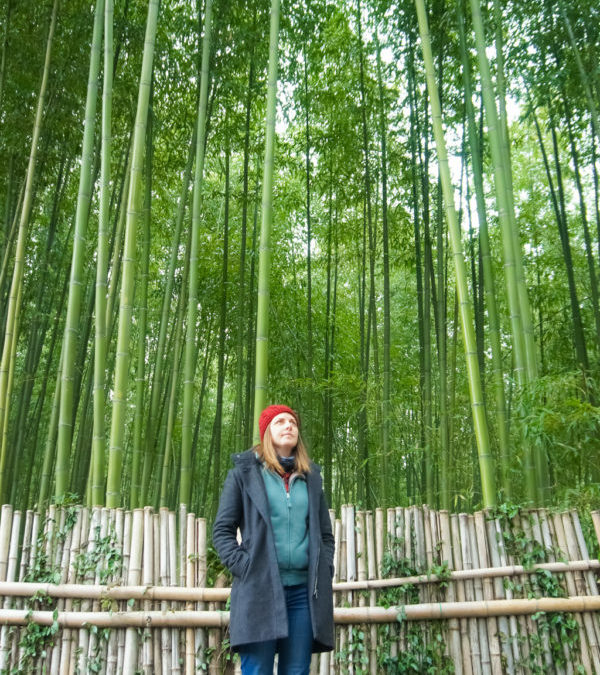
(385, 214)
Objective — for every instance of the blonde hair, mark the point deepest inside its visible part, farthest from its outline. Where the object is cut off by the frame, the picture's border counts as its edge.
(267, 454)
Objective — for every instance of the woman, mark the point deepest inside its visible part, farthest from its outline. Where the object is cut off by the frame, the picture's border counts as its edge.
(281, 598)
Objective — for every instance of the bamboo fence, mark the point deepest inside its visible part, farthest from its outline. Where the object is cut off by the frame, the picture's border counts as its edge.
(416, 590)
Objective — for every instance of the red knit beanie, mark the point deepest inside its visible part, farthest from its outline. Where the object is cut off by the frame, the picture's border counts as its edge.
(271, 411)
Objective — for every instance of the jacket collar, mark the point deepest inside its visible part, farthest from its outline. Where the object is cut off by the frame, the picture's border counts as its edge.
(250, 465)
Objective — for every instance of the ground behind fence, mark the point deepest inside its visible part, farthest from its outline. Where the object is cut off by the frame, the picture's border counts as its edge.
(417, 590)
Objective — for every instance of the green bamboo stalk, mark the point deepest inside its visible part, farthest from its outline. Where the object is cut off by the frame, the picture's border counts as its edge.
(477, 404)
(525, 306)
(387, 375)
(4, 45)
(13, 311)
(593, 110)
(99, 439)
(151, 440)
(185, 484)
(510, 254)
(165, 476)
(65, 424)
(117, 433)
(488, 272)
(140, 374)
(264, 260)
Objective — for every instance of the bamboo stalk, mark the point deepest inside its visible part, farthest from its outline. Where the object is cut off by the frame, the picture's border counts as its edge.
(494, 541)
(596, 521)
(173, 581)
(372, 573)
(133, 576)
(461, 595)
(209, 594)
(434, 611)
(154, 637)
(189, 578)
(488, 593)
(560, 538)
(548, 541)
(484, 646)
(446, 551)
(590, 579)
(351, 574)
(580, 584)
(536, 535)
(361, 563)
(112, 649)
(165, 638)
(84, 634)
(63, 645)
(467, 562)
(11, 571)
(337, 536)
(201, 639)
(126, 548)
(147, 578)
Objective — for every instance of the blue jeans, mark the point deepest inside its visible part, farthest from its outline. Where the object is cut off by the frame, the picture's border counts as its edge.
(294, 651)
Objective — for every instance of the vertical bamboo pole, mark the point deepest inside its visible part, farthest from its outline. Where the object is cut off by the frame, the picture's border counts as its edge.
(446, 551)
(154, 634)
(133, 578)
(201, 640)
(560, 539)
(188, 562)
(535, 534)
(90, 546)
(165, 637)
(173, 581)
(372, 574)
(351, 574)
(581, 587)
(467, 564)
(484, 648)
(495, 543)
(379, 538)
(60, 654)
(264, 258)
(596, 521)
(112, 647)
(488, 592)
(343, 576)
(11, 570)
(361, 564)
(391, 546)
(337, 576)
(547, 539)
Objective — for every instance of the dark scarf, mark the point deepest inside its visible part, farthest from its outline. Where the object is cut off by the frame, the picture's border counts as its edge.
(288, 464)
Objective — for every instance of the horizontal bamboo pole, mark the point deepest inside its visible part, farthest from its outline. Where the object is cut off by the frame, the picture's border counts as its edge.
(475, 573)
(182, 594)
(342, 615)
(99, 592)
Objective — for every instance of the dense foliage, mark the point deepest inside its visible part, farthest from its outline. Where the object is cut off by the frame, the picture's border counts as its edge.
(364, 338)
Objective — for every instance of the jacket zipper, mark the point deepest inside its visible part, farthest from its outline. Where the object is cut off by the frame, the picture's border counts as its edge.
(315, 590)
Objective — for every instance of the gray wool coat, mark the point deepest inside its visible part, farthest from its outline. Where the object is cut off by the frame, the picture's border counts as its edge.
(258, 610)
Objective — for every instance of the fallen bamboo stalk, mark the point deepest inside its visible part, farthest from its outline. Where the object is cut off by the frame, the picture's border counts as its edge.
(342, 615)
(183, 594)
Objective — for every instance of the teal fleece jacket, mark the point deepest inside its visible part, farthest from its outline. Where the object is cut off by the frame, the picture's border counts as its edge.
(289, 518)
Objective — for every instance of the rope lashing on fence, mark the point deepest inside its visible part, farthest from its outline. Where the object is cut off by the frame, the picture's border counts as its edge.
(184, 594)
(342, 615)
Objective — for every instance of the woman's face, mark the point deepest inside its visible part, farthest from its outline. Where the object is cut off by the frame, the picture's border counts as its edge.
(284, 433)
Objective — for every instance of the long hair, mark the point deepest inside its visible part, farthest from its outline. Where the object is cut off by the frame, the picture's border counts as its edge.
(266, 452)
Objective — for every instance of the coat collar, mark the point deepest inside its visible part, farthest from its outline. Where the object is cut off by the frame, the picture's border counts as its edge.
(254, 485)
